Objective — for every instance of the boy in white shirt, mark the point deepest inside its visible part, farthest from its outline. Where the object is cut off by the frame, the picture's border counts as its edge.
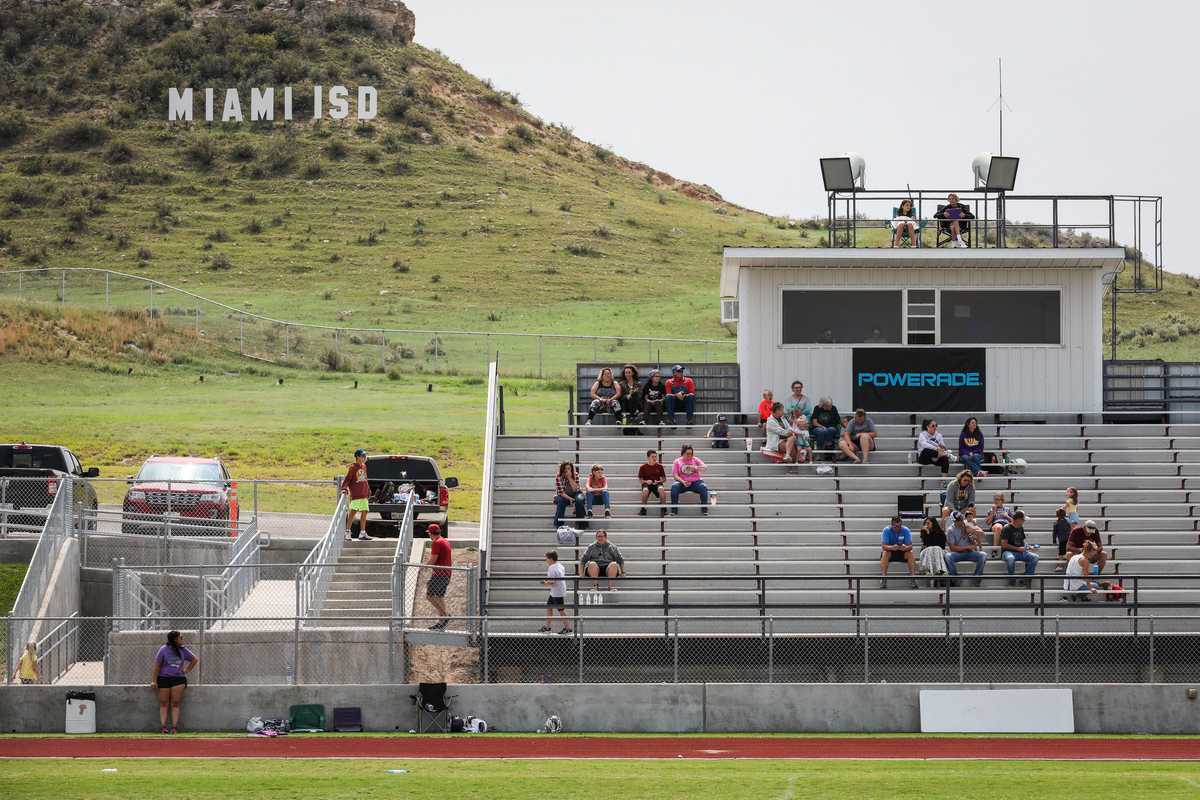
(558, 592)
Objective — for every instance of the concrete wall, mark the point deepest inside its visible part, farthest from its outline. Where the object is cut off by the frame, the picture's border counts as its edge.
(17, 551)
(634, 708)
(62, 597)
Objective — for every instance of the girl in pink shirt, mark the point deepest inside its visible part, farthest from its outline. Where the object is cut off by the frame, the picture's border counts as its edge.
(688, 471)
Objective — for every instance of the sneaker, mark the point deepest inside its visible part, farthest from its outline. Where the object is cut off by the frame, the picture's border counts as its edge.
(544, 629)
(165, 730)
(589, 514)
(883, 583)
(915, 585)
(704, 510)
(977, 582)
(349, 538)
(362, 537)
(174, 730)
(642, 511)
(607, 512)
(589, 422)
(670, 420)
(674, 512)
(563, 632)
(662, 512)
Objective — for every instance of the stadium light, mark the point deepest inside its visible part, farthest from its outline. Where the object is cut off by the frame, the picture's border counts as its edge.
(843, 173)
(995, 173)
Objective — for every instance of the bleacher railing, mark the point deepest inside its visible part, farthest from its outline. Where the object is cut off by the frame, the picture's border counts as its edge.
(225, 591)
(404, 540)
(316, 572)
(492, 426)
(57, 529)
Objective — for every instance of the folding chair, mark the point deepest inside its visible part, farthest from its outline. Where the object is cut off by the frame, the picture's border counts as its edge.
(348, 720)
(910, 506)
(307, 718)
(904, 237)
(944, 236)
(433, 707)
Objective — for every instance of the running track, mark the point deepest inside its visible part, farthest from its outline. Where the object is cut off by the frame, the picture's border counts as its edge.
(491, 746)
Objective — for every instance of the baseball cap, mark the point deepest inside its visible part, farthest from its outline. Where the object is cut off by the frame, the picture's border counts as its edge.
(434, 528)
(722, 418)
(677, 368)
(359, 452)
(1090, 525)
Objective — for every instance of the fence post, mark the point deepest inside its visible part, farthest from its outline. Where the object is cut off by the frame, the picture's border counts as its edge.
(254, 493)
(961, 671)
(197, 315)
(1057, 652)
(1150, 679)
(539, 356)
(242, 334)
(152, 301)
(706, 359)
(296, 653)
(285, 341)
(9, 667)
(866, 649)
(483, 646)
(595, 349)
(62, 290)
(675, 648)
(770, 649)
(107, 275)
(579, 638)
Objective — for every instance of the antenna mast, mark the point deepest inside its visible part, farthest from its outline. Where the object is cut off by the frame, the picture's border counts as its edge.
(1000, 69)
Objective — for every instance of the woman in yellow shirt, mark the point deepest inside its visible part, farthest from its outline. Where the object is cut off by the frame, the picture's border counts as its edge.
(28, 669)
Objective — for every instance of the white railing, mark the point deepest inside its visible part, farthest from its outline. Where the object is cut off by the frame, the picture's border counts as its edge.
(491, 429)
(223, 593)
(316, 572)
(404, 540)
(56, 531)
(133, 601)
(58, 650)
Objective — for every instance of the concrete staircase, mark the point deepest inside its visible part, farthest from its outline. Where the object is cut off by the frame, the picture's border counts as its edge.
(361, 591)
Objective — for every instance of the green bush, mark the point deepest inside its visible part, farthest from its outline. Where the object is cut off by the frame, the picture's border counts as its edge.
(78, 135)
(118, 153)
(336, 150)
(201, 152)
(12, 128)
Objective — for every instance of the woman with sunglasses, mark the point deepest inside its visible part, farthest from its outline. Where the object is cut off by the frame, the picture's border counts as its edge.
(931, 447)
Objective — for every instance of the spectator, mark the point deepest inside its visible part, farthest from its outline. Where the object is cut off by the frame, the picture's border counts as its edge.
(681, 395)
(876, 337)
(963, 546)
(931, 447)
(954, 216)
(356, 485)
(556, 583)
(998, 516)
(933, 548)
(597, 490)
(858, 438)
(826, 426)
(799, 425)
(171, 666)
(606, 396)
(765, 405)
(602, 558)
(1079, 538)
(1079, 567)
(653, 478)
(719, 433)
(897, 546)
(1071, 505)
(960, 493)
(1062, 532)
(567, 491)
(780, 436)
(631, 395)
(688, 472)
(970, 447)
(27, 669)
(1014, 549)
(904, 225)
(654, 398)
(797, 400)
(440, 558)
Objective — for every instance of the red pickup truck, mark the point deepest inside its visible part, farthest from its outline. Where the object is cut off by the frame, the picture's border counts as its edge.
(197, 492)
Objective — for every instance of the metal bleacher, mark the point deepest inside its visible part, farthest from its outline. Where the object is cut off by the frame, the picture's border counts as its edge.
(787, 542)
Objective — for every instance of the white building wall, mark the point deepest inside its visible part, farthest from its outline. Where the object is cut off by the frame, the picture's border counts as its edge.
(1064, 377)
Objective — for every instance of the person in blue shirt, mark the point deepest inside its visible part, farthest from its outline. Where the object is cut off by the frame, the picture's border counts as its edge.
(897, 546)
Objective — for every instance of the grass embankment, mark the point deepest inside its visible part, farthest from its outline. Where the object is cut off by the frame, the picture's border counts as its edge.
(525, 780)
(11, 576)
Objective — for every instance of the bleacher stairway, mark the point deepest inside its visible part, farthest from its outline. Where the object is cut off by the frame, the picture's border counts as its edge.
(1140, 482)
(361, 590)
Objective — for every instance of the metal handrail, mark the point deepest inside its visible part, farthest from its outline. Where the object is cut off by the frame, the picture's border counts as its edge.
(316, 571)
(404, 539)
(223, 593)
(491, 429)
(52, 661)
(58, 527)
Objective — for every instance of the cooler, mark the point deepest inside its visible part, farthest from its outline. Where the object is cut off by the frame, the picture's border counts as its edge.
(81, 712)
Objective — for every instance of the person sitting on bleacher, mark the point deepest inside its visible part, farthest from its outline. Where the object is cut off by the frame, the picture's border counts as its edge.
(970, 447)
(653, 478)
(960, 493)
(858, 438)
(897, 546)
(1076, 584)
(606, 396)
(797, 400)
(998, 516)
(681, 395)
(688, 472)
(1014, 549)
(765, 405)
(602, 558)
(933, 548)
(799, 424)
(596, 490)
(567, 492)
(826, 425)
(1079, 538)
(963, 546)
(718, 434)
(931, 447)
(631, 395)
(780, 436)
(654, 398)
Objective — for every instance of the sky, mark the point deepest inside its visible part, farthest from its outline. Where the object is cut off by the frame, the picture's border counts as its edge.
(746, 97)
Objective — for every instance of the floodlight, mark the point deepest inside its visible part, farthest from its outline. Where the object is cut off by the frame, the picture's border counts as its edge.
(844, 173)
(995, 173)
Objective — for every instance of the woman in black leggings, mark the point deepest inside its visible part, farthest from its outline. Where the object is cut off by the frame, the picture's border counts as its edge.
(931, 447)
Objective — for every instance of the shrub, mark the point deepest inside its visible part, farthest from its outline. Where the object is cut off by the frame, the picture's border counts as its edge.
(418, 119)
(144, 254)
(78, 135)
(399, 167)
(12, 128)
(512, 143)
(523, 132)
(401, 266)
(564, 206)
(312, 169)
(372, 155)
(336, 150)
(581, 249)
(394, 374)
(602, 232)
(220, 262)
(332, 361)
(201, 152)
(27, 197)
(280, 157)
(253, 227)
(34, 165)
(435, 279)
(243, 151)
(118, 153)
(602, 154)
(219, 235)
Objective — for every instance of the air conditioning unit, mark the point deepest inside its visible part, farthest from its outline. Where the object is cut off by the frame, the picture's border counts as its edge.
(729, 311)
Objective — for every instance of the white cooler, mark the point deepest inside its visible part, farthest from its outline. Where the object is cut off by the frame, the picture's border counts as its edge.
(81, 712)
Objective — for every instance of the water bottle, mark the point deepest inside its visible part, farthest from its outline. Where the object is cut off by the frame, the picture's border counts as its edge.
(749, 444)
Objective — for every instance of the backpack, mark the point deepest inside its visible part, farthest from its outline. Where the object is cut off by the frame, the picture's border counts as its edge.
(567, 535)
(457, 724)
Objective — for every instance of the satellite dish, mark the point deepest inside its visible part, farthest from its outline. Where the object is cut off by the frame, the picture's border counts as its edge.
(980, 167)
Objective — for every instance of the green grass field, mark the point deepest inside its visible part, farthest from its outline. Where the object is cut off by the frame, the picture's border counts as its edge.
(527, 780)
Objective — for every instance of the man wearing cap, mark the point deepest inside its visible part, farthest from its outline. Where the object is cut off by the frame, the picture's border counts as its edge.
(897, 546)
(1090, 532)
(963, 548)
(719, 433)
(356, 486)
(1014, 549)
(439, 579)
(681, 395)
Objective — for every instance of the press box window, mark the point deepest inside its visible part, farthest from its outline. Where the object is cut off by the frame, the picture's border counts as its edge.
(842, 317)
(1001, 317)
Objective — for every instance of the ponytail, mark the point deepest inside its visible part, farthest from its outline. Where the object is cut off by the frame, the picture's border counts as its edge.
(173, 643)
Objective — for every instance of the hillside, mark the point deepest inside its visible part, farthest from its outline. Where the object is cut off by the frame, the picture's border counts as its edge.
(453, 208)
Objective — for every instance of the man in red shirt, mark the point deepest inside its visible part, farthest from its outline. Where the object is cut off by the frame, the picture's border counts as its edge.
(355, 484)
(681, 395)
(439, 579)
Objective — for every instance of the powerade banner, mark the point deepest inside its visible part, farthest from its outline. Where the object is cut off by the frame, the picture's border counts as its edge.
(920, 379)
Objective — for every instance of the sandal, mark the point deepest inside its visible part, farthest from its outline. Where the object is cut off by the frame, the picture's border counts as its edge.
(165, 730)
(174, 730)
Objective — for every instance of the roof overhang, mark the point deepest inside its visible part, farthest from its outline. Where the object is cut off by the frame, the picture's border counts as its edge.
(736, 259)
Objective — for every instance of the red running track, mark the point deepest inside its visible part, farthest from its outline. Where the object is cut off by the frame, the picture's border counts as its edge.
(403, 746)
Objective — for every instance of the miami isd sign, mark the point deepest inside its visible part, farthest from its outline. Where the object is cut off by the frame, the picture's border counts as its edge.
(335, 104)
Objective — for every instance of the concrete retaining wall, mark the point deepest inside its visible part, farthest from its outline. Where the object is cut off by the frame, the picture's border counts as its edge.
(17, 551)
(632, 708)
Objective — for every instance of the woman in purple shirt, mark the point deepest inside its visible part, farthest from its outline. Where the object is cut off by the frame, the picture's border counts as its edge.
(171, 666)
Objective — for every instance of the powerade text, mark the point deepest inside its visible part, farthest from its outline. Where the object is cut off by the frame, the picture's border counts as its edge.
(918, 379)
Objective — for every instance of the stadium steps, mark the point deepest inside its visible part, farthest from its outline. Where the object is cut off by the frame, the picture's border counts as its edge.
(361, 587)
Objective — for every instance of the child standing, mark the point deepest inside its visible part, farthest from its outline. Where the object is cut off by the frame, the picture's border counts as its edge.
(28, 668)
(356, 486)
(558, 591)
(1072, 505)
(719, 432)
(1062, 532)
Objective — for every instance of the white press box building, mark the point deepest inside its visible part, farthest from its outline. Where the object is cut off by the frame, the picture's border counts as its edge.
(922, 329)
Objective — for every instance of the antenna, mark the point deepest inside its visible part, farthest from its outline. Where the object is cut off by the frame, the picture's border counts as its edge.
(999, 101)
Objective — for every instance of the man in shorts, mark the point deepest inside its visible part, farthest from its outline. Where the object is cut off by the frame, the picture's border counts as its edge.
(897, 546)
(439, 579)
(355, 484)
(653, 479)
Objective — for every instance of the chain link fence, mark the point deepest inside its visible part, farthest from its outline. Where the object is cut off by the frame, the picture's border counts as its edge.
(342, 347)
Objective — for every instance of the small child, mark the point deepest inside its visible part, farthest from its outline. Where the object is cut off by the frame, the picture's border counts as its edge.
(1072, 505)
(799, 425)
(998, 516)
(719, 432)
(558, 591)
(1062, 532)
(28, 668)
(596, 490)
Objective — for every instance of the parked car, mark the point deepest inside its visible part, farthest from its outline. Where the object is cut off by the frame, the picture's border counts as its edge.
(392, 476)
(194, 491)
(31, 474)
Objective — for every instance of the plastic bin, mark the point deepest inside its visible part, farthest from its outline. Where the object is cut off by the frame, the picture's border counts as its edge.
(81, 712)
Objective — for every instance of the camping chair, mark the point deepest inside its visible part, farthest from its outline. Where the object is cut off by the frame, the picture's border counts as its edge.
(307, 718)
(433, 707)
(348, 720)
(943, 229)
(910, 506)
(904, 237)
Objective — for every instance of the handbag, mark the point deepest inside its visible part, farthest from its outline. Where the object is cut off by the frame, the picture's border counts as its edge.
(567, 535)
